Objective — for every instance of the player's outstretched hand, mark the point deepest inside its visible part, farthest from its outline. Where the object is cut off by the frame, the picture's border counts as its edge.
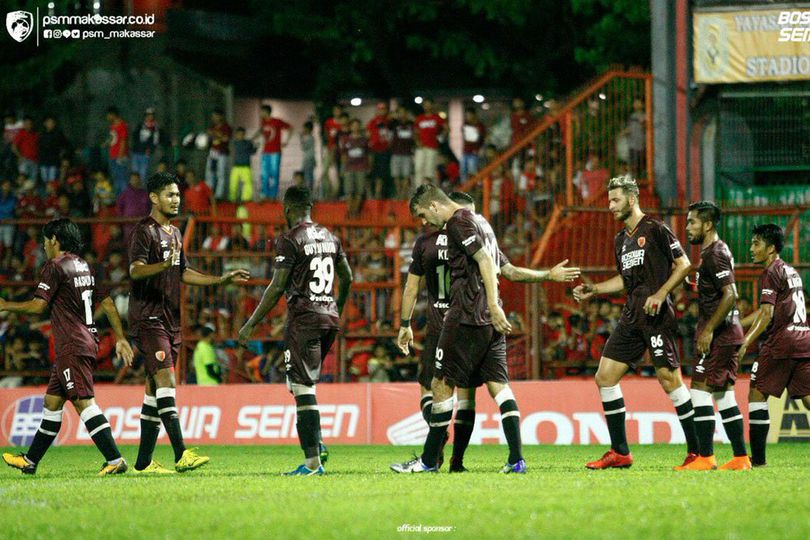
(244, 334)
(654, 304)
(240, 275)
(124, 351)
(499, 320)
(583, 292)
(563, 273)
(704, 342)
(405, 339)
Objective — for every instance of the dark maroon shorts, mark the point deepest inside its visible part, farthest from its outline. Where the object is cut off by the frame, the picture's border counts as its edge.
(159, 347)
(427, 360)
(772, 375)
(658, 335)
(305, 349)
(72, 377)
(469, 356)
(718, 368)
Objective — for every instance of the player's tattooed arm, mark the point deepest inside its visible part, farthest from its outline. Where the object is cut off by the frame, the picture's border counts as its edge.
(35, 306)
(270, 298)
(680, 269)
(727, 301)
(585, 291)
(487, 268)
(764, 316)
(560, 273)
(344, 272)
(409, 294)
(122, 348)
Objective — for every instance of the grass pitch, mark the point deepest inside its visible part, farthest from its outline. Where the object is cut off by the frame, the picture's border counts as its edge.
(241, 495)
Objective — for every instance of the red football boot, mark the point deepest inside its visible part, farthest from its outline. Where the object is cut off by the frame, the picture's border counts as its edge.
(611, 460)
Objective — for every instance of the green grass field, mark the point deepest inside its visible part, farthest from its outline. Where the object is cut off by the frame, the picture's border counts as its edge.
(241, 495)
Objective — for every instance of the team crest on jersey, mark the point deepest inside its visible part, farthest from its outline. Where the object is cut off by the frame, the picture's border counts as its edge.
(160, 355)
(642, 241)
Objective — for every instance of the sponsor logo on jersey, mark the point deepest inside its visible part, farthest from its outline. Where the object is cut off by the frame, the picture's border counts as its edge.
(632, 259)
(642, 240)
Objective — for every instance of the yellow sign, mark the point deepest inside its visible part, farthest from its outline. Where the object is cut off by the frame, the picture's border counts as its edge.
(790, 420)
(751, 46)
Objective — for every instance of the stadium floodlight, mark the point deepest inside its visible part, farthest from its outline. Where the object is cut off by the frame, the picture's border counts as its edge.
(96, 6)
(356, 102)
(418, 100)
(478, 98)
(602, 96)
(538, 97)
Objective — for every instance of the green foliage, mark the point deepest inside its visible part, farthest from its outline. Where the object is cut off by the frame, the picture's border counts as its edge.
(241, 495)
(618, 32)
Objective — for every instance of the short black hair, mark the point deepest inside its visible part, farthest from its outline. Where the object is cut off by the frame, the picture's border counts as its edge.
(158, 181)
(66, 233)
(459, 197)
(707, 211)
(113, 110)
(297, 197)
(772, 234)
(426, 194)
(267, 107)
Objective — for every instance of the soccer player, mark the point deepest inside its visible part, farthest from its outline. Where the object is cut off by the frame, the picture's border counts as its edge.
(157, 268)
(718, 336)
(471, 348)
(784, 357)
(307, 257)
(651, 263)
(68, 287)
(429, 263)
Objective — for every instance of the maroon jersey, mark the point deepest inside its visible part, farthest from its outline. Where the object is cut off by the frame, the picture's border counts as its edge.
(402, 138)
(155, 301)
(788, 335)
(717, 271)
(69, 287)
(644, 259)
(311, 252)
(430, 260)
(466, 234)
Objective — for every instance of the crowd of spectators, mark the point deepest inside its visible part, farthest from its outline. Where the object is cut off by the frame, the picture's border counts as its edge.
(44, 175)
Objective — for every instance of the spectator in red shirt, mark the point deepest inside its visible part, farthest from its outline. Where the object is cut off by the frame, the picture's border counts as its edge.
(272, 134)
(594, 178)
(379, 135)
(118, 150)
(521, 120)
(331, 158)
(26, 146)
(355, 166)
(429, 127)
(198, 197)
(474, 133)
(216, 167)
(402, 142)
